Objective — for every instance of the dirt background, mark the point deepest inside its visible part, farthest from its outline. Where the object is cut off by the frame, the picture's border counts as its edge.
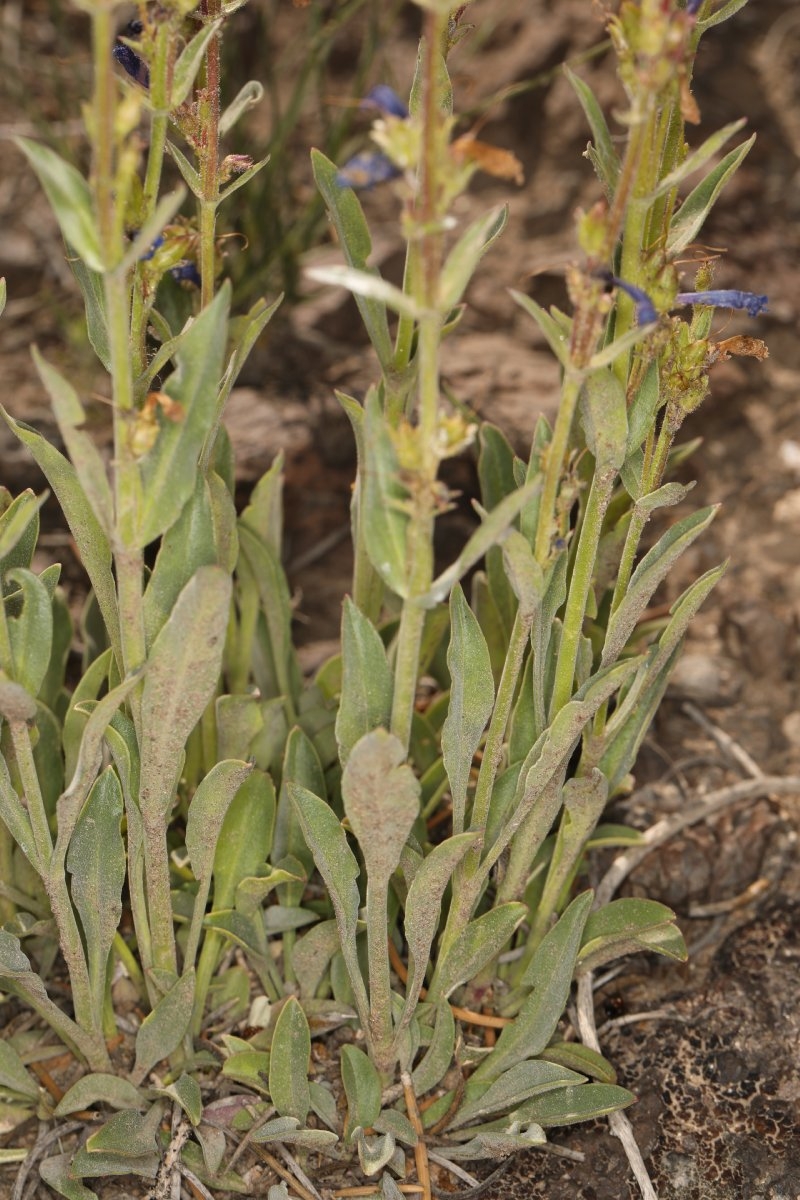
(710, 1048)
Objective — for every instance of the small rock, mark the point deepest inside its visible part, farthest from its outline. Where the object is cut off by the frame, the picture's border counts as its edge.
(790, 728)
(705, 680)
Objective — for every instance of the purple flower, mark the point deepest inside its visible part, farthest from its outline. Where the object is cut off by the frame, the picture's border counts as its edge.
(692, 6)
(365, 170)
(645, 309)
(726, 298)
(128, 59)
(386, 100)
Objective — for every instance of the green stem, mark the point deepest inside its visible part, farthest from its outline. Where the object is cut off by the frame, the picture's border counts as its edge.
(420, 540)
(160, 72)
(54, 879)
(495, 738)
(555, 456)
(209, 157)
(104, 106)
(159, 900)
(420, 532)
(580, 583)
(34, 801)
(380, 993)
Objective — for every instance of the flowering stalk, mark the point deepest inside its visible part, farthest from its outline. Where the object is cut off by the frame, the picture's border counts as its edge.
(159, 79)
(208, 122)
(426, 219)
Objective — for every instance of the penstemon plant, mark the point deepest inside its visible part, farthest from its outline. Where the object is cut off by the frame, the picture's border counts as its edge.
(333, 855)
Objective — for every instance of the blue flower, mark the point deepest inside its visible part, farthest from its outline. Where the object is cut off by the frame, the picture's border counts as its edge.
(692, 6)
(128, 59)
(365, 170)
(370, 167)
(186, 272)
(726, 298)
(386, 100)
(645, 309)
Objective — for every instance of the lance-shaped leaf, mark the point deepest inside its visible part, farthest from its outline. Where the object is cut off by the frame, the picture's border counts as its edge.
(371, 287)
(550, 976)
(602, 154)
(169, 470)
(605, 418)
(698, 158)
(643, 408)
(93, 545)
(96, 862)
(626, 926)
(13, 813)
(488, 533)
(512, 1088)
(374, 1152)
(339, 868)
(19, 530)
(344, 210)
(568, 1105)
(162, 1030)
(57, 1173)
(582, 1059)
(242, 180)
(287, 1130)
(471, 700)
(362, 1087)
(128, 1134)
(584, 800)
(207, 811)
(13, 1075)
(366, 700)
(190, 175)
(85, 456)
(248, 96)
(722, 14)
(89, 761)
(466, 254)
(182, 672)
(246, 331)
(99, 1089)
(17, 978)
(624, 741)
(259, 562)
(70, 199)
(187, 545)
(245, 838)
(94, 302)
(423, 908)
(546, 764)
(691, 215)
(384, 514)
(648, 575)
(381, 800)
(480, 942)
(312, 954)
(30, 631)
(557, 337)
(189, 62)
(290, 1056)
(301, 765)
(438, 1058)
(186, 1091)
(493, 1145)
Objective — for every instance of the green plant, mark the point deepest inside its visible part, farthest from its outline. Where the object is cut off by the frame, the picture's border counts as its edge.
(241, 807)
